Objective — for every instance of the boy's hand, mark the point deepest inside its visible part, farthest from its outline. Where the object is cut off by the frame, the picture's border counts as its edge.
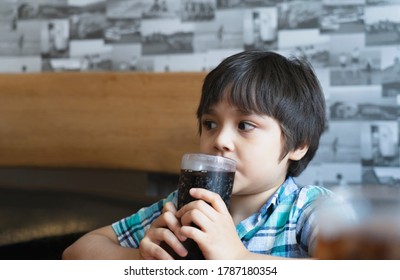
(216, 235)
(165, 228)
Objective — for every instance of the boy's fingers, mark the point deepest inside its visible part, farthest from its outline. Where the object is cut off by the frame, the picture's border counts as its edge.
(170, 221)
(168, 237)
(194, 206)
(151, 251)
(177, 247)
(210, 197)
(173, 242)
(152, 248)
(167, 217)
(196, 217)
(194, 233)
(169, 207)
(174, 224)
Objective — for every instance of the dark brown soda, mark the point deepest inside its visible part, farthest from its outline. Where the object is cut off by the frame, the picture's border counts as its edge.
(220, 182)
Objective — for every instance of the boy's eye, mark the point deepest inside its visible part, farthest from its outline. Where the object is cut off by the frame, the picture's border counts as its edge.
(245, 126)
(207, 124)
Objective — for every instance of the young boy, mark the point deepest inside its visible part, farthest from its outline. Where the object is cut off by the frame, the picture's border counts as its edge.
(267, 113)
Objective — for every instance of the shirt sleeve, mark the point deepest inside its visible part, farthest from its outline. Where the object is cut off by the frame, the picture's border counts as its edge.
(131, 230)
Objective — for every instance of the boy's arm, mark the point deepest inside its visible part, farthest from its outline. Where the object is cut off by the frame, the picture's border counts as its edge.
(100, 244)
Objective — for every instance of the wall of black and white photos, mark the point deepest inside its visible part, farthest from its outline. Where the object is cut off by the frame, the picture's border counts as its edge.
(354, 45)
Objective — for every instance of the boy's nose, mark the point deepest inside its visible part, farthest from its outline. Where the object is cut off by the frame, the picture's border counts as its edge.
(224, 141)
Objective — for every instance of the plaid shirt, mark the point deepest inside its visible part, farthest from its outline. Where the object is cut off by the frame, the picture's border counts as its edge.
(285, 225)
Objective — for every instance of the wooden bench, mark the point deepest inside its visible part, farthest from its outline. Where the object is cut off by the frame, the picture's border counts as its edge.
(130, 120)
(121, 121)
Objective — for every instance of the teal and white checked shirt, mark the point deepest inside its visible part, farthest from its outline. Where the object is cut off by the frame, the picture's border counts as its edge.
(285, 226)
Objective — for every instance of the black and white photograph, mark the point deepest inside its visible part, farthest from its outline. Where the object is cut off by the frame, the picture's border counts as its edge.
(80, 48)
(339, 175)
(198, 10)
(340, 143)
(8, 16)
(382, 2)
(54, 38)
(126, 57)
(161, 9)
(63, 64)
(167, 36)
(333, 175)
(380, 143)
(214, 57)
(179, 63)
(84, 55)
(28, 10)
(89, 21)
(21, 41)
(28, 38)
(311, 175)
(392, 89)
(382, 25)
(299, 14)
(308, 44)
(384, 176)
(232, 4)
(391, 71)
(342, 19)
(20, 64)
(324, 77)
(145, 63)
(42, 9)
(260, 28)
(343, 2)
(123, 9)
(31, 11)
(122, 31)
(353, 63)
(225, 32)
(94, 62)
(361, 103)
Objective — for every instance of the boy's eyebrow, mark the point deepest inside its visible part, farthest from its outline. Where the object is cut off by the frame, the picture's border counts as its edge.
(245, 112)
(211, 111)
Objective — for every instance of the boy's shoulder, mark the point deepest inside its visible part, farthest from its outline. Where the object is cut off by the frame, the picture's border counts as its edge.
(303, 194)
(315, 191)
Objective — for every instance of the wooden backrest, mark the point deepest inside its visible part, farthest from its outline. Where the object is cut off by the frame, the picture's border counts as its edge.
(136, 121)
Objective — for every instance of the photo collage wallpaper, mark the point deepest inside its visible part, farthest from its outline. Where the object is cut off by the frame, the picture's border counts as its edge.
(354, 46)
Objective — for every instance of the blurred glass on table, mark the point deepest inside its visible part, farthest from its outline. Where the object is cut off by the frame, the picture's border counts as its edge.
(361, 223)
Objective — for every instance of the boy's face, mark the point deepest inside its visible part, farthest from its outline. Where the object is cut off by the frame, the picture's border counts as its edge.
(253, 141)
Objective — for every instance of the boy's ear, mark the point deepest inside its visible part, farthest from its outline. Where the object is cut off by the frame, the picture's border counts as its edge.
(299, 153)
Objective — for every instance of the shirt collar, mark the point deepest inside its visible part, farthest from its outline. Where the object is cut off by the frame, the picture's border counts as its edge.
(248, 227)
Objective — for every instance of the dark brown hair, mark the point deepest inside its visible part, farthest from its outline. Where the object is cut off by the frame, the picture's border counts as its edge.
(285, 89)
